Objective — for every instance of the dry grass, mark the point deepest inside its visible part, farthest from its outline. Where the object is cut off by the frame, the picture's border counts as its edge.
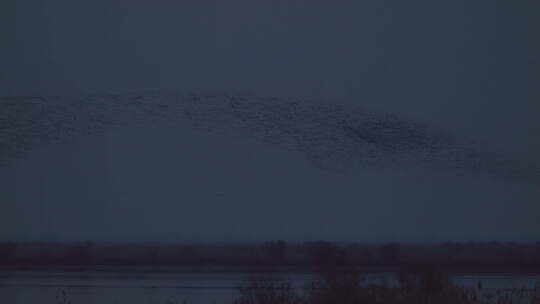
(344, 286)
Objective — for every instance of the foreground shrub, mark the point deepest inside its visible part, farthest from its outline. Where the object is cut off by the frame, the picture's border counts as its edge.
(344, 285)
(267, 288)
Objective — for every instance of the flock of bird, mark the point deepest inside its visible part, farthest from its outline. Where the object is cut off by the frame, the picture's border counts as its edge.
(336, 137)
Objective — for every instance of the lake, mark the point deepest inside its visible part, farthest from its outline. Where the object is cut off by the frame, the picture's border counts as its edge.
(174, 287)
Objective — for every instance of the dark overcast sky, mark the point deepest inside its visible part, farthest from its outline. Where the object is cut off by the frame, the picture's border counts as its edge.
(470, 66)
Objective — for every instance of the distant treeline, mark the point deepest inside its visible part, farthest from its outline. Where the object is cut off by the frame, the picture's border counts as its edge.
(471, 255)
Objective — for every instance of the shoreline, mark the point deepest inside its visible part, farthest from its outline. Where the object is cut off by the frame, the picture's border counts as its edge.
(454, 271)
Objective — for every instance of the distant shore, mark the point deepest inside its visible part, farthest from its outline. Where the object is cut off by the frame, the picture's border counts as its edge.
(468, 270)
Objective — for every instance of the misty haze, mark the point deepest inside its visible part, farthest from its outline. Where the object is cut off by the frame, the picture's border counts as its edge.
(268, 152)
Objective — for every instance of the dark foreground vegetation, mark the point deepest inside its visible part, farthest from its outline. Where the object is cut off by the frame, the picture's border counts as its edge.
(345, 285)
(455, 257)
(339, 280)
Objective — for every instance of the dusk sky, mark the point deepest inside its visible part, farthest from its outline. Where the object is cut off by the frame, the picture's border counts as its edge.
(471, 68)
